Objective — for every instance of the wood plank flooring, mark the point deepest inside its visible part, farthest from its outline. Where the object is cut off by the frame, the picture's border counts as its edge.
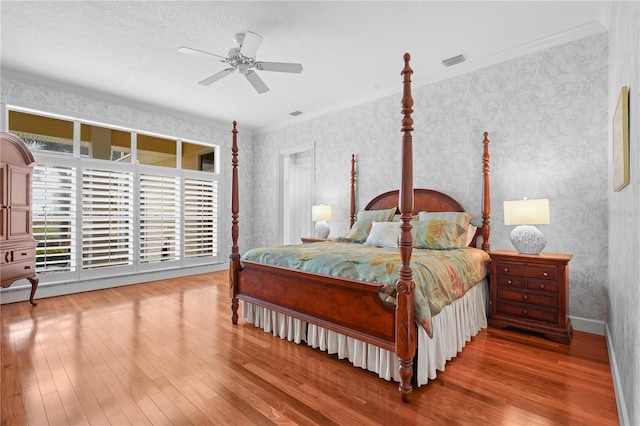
(166, 353)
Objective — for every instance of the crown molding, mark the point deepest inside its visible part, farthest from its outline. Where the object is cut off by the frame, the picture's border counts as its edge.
(576, 33)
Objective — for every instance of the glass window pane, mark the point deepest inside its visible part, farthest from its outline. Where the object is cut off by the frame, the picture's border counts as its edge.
(105, 144)
(157, 151)
(198, 157)
(42, 133)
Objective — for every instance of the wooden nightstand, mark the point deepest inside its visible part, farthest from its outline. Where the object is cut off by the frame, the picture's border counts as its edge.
(531, 292)
(306, 240)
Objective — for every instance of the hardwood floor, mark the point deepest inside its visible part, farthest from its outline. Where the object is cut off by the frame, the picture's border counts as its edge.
(166, 353)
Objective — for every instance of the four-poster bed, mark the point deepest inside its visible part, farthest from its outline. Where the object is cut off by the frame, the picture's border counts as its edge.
(354, 307)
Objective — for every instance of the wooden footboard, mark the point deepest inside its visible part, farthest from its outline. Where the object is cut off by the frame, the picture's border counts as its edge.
(350, 307)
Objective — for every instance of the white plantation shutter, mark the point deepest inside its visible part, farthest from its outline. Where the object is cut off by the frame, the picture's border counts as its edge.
(107, 218)
(54, 218)
(200, 218)
(159, 218)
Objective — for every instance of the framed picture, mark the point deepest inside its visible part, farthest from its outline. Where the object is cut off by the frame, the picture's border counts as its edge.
(621, 141)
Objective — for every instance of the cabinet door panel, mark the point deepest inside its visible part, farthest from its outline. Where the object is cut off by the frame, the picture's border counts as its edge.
(19, 224)
(19, 187)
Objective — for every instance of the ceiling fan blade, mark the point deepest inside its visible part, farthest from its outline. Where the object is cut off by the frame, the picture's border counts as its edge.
(191, 51)
(217, 76)
(256, 82)
(279, 67)
(250, 44)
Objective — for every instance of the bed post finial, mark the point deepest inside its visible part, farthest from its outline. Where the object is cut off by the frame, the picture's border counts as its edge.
(405, 287)
(352, 210)
(234, 258)
(486, 202)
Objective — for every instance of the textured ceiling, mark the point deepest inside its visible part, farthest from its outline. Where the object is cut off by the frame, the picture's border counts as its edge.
(351, 51)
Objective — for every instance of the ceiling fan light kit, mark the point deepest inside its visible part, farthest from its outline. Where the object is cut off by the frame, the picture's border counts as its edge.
(243, 59)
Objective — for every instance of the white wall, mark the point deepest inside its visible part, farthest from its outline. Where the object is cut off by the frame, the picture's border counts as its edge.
(623, 280)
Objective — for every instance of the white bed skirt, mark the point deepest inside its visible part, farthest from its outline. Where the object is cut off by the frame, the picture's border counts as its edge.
(452, 328)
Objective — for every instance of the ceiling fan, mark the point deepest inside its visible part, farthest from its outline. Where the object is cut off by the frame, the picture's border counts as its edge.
(243, 59)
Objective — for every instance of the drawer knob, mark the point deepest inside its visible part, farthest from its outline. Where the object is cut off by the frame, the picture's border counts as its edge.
(541, 285)
(525, 312)
(509, 282)
(23, 254)
(525, 297)
(545, 274)
(505, 270)
(27, 267)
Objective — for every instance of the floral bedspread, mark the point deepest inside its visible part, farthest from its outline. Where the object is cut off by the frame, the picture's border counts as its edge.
(441, 276)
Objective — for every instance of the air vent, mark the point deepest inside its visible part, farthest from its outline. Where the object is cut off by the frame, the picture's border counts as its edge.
(454, 61)
(295, 113)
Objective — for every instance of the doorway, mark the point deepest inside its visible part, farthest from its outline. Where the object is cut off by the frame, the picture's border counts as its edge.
(295, 194)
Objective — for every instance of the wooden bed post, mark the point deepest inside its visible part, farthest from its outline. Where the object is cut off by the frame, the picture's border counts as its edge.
(486, 204)
(352, 212)
(234, 258)
(405, 287)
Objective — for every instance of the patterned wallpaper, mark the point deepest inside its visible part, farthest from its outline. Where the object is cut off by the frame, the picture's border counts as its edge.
(624, 207)
(546, 114)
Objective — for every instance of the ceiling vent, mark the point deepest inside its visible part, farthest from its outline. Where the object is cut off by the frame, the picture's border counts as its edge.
(454, 61)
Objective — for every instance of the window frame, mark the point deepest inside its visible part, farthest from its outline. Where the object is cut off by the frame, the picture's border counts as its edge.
(81, 162)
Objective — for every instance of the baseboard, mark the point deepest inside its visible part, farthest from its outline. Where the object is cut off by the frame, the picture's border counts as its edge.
(588, 325)
(623, 416)
(21, 293)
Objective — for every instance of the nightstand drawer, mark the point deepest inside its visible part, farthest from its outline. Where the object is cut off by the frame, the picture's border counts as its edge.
(543, 300)
(527, 270)
(543, 285)
(527, 312)
(512, 282)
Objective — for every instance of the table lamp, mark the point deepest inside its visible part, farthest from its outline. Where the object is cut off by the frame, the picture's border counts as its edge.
(320, 214)
(527, 239)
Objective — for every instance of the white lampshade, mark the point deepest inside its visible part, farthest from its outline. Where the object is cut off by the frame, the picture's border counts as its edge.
(527, 239)
(321, 212)
(526, 212)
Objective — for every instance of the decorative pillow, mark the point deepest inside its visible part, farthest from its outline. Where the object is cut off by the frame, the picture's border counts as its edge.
(384, 234)
(471, 232)
(461, 218)
(439, 234)
(377, 215)
(359, 231)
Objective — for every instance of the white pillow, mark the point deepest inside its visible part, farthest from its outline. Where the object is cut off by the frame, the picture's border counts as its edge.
(470, 234)
(384, 234)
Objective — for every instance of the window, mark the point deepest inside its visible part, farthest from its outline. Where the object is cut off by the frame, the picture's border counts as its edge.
(42, 133)
(198, 157)
(200, 218)
(54, 218)
(107, 218)
(97, 212)
(157, 151)
(105, 144)
(159, 218)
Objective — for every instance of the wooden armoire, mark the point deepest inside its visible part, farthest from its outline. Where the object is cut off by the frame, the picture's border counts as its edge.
(17, 245)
